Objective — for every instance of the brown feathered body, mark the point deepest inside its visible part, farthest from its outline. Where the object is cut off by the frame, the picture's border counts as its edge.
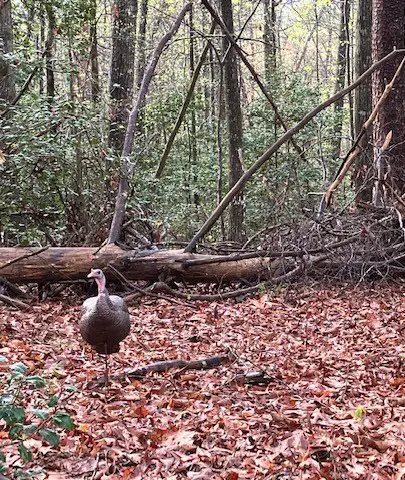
(105, 321)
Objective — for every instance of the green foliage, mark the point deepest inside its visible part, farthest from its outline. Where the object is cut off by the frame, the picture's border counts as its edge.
(57, 160)
(360, 412)
(24, 421)
(39, 188)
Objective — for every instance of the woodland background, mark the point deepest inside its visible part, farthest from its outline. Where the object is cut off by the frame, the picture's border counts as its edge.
(71, 72)
(208, 151)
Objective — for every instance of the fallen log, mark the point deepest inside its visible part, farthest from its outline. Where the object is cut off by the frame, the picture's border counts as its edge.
(56, 264)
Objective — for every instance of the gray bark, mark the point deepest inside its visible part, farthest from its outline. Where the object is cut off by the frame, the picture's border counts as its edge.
(269, 38)
(122, 69)
(343, 51)
(236, 231)
(7, 86)
(363, 98)
(95, 82)
(141, 53)
(49, 54)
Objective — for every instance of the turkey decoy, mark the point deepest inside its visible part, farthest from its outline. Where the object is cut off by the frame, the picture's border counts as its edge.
(105, 320)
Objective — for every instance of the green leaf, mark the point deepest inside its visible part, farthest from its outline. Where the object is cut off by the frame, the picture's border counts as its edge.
(25, 454)
(27, 474)
(42, 414)
(16, 431)
(3, 468)
(12, 414)
(52, 401)
(36, 380)
(360, 412)
(71, 388)
(18, 369)
(2, 457)
(29, 430)
(50, 436)
(63, 420)
(3, 359)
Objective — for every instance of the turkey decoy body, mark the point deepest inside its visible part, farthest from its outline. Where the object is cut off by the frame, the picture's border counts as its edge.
(105, 320)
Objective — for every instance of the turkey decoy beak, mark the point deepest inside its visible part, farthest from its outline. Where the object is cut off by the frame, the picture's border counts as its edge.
(91, 274)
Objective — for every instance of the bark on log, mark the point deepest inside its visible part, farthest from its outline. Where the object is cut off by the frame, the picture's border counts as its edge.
(54, 264)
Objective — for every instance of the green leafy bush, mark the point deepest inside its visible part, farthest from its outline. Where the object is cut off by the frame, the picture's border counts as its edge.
(23, 421)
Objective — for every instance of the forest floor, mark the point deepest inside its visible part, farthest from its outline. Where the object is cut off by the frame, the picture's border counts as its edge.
(334, 410)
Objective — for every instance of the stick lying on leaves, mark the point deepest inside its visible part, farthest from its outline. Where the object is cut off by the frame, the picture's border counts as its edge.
(14, 302)
(203, 364)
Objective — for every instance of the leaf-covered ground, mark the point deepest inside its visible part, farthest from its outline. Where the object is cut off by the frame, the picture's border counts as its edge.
(335, 410)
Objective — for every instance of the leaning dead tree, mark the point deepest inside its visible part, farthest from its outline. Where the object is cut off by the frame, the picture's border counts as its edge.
(132, 129)
(268, 154)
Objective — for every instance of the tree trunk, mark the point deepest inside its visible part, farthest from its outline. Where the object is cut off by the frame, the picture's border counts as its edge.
(269, 39)
(49, 54)
(122, 69)
(39, 265)
(362, 100)
(236, 231)
(343, 51)
(95, 82)
(388, 34)
(192, 174)
(141, 52)
(7, 86)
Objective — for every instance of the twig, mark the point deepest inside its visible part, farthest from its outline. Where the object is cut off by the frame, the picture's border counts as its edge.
(145, 292)
(265, 229)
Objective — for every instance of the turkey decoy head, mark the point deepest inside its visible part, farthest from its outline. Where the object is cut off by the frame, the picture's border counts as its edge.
(99, 277)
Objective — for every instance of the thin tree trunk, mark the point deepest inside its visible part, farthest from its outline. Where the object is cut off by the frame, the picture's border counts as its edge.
(41, 43)
(269, 39)
(95, 82)
(316, 41)
(7, 86)
(349, 72)
(221, 116)
(236, 230)
(363, 100)
(141, 52)
(193, 128)
(341, 75)
(49, 54)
